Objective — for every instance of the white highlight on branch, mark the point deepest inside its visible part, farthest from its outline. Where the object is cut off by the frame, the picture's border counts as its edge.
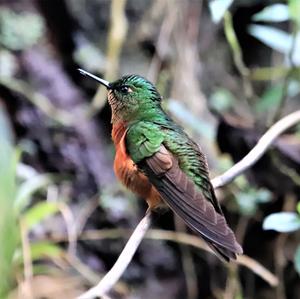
(134, 241)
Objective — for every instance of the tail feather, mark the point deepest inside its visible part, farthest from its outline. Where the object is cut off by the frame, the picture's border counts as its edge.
(221, 252)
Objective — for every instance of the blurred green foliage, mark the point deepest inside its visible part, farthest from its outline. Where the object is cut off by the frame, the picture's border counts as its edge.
(285, 84)
(294, 10)
(9, 235)
(19, 31)
(15, 195)
(38, 251)
(222, 100)
(285, 222)
(279, 40)
(250, 198)
(39, 212)
(272, 96)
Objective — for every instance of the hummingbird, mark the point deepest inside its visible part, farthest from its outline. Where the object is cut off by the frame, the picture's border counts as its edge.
(159, 162)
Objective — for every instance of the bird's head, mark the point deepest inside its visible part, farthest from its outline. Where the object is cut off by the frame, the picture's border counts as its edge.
(131, 98)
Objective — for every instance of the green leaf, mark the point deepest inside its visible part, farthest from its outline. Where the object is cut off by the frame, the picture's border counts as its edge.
(273, 95)
(272, 37)
(9, 235)
(222, 100)
(278, 40)
(242, 182)
(294, 9)
(273, 13)
(282, 222)
(298, 207)
(249, 200)
(44, 249)
(218, 8)
(28, 188)
(38, 251)
(297, 259)
(39, 212)
(270, 98)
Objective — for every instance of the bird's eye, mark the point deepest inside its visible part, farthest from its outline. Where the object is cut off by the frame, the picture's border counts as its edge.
(125, 89)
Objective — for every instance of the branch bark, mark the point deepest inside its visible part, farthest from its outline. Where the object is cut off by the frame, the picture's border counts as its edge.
(122, 262)
(134, 241)
(259, 149)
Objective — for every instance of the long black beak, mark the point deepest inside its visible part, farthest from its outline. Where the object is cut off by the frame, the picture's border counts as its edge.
(101, 81)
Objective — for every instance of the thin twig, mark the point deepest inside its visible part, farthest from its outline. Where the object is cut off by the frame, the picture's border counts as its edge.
(287, 79)
(84, 270)
(163, 41)
(238, 56)
(183, 238)
(125, 257)
(90, 275)
(69, 219)
(244, 260)
(85, 213)
(272, 73)
(122, 262)
(116, 38)
(260, 148)
(39, 100)
(290, 172)
(233, 286)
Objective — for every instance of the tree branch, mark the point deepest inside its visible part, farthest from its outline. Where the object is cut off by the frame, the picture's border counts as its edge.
(260, 148)
(122, 262)
(179, 237)
(134, 241)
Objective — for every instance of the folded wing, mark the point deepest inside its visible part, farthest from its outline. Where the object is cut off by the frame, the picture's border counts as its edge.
(187, 201)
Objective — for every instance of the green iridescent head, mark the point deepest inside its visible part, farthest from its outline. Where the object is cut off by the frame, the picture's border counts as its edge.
(131, 98)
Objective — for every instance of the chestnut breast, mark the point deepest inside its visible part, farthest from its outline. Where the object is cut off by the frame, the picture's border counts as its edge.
(125, 169)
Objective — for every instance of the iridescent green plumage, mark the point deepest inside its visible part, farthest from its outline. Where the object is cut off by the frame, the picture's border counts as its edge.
(172, 162)
(145, 137)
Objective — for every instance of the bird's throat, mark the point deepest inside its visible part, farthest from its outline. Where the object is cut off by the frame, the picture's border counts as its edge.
(116, 108)
(118, 130)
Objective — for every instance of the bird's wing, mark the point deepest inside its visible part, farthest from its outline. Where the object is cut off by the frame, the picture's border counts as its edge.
(193, 201)
(188, 202)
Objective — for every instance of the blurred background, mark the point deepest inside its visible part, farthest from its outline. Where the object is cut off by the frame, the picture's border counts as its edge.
(227, 70)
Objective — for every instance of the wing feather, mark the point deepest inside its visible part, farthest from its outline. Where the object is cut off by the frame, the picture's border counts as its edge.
(186, 199)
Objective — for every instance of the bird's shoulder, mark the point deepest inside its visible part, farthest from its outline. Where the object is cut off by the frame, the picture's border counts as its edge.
(143, 139)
